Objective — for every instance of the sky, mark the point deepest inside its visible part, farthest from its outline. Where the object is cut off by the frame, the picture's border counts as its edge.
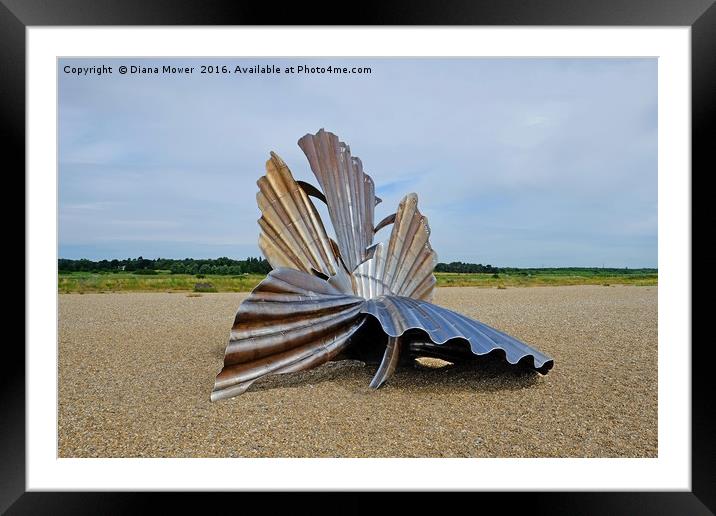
(516, 162)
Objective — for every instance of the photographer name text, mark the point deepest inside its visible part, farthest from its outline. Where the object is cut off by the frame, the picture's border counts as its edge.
(257, 69)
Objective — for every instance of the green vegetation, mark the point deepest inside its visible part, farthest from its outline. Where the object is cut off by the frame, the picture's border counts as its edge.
(82, 282)
(550, 277)
(164, 280)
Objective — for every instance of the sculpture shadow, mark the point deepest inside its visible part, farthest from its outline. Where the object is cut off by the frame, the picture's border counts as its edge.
(489, 372)
(342, 371)
(484, 373)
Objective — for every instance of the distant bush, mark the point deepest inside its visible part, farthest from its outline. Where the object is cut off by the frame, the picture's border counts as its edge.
(204, 287)
(495, 275)
(146, 272)
(462, 267)
(200, 276)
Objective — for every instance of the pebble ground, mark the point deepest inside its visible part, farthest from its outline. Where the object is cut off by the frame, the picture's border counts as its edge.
(136, 370)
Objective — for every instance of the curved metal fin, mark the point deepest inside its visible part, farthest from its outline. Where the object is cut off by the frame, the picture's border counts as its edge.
(390, 219)
(292, 234)
(349, 192)
(446, 329)
(312, 190)
(292, 321)
(410, 260)
(403, 267)
(388, 364)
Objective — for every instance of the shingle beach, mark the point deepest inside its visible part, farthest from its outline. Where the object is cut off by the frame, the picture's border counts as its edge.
(136, 371)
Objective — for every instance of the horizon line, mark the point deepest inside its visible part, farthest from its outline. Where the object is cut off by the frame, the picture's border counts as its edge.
(603, 266)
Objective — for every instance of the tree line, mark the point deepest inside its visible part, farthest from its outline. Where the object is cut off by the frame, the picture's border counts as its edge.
(228, 266)
(221, 266)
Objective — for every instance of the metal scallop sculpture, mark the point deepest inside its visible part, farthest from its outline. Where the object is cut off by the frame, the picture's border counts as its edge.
(331, 299)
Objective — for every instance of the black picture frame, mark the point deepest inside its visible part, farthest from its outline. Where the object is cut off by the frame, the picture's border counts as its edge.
(700, 15)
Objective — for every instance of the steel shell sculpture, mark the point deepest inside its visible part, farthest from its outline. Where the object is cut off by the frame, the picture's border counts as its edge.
(331, 299)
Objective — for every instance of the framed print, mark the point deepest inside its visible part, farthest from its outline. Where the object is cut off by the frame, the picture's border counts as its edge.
(516, 342)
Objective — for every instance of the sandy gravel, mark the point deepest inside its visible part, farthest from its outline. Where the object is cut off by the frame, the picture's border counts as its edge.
(136, 370)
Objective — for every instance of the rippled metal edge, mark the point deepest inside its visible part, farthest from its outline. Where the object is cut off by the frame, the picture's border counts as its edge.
(292, 233)
(292, 321)
(403, 267)
(349, 193)
(398, 315)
